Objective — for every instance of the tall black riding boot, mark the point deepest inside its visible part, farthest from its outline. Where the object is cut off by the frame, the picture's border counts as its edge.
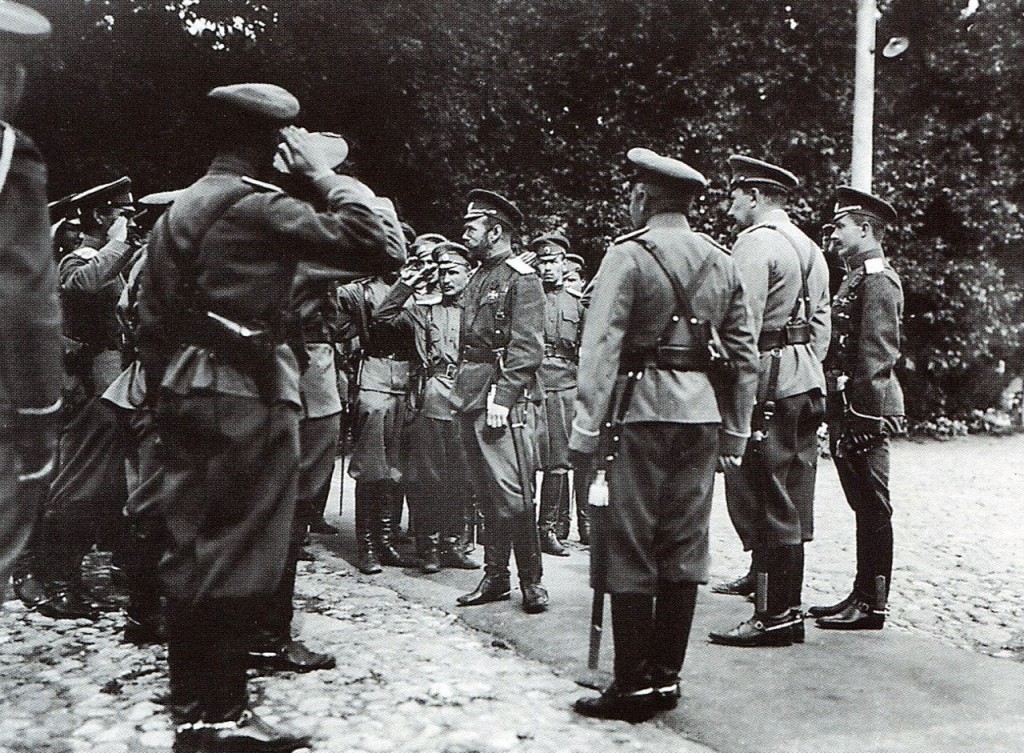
(582, 512)
(562, 521)
(550, 498)
(366, 522)
(673, 617)
(386, 552)
(496, 583)
(630, 697)
(528, 562)
(143, 614)
(743, 585)
(429, 547)
(796, 589)
(772, 623)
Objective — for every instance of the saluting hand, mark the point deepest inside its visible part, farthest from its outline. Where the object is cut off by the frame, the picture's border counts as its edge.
(118, 230)
(303, 154)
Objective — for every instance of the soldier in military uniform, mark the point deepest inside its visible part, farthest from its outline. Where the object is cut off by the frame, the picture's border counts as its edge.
(502, 346)
(436, 461)
(221, 265)
(30, 369)
(865, 400)
(662, 294)
(575, 272)
(89, 491)
(771, 496)
(376, 464)
(563, 326)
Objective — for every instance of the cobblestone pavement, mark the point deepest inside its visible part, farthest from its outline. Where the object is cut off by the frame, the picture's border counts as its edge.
(958, 571)
(410, 678)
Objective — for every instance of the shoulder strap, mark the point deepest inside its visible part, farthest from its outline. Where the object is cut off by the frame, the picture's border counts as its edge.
(805, 273)
(684, 307)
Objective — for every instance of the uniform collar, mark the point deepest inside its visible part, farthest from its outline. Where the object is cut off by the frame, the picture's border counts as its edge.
(494, 261)
(232, 164)
(669, 220)
(857, 260)
(775, 214)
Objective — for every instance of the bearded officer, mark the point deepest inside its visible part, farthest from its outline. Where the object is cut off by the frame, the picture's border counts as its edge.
(502, 344)
(865, 400)
(660, 293)
(221, 264)
(771, 496)
(30, 358)
(563, 326)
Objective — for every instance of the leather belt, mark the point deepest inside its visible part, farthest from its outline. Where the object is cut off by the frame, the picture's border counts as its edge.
(665, 357)
(553, 350)
(480, 355)
(796, 334)
(443, 369)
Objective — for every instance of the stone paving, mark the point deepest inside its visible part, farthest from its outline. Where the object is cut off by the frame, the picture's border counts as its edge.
(410, 678)
(958, 571)
(413, 678)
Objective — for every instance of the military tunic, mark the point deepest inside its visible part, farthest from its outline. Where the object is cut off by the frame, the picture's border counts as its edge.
(771, 496)
(865, 404)
(563, 326)
(231, 445)
(436, 473)
(674, 428)
(502, 347)
(30, 351)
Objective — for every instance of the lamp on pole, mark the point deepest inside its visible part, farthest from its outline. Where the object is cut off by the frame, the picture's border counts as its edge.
(864, 97)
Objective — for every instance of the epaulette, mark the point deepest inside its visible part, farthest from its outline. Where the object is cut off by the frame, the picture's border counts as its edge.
(85, 253)
(874, 266)
(519, 265)
(630, 236)
(715, 243)
(260, 185)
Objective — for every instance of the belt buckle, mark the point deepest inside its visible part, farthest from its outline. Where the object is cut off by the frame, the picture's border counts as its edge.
(450, 369)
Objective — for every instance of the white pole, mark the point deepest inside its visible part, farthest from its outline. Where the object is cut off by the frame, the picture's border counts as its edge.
(864, 96)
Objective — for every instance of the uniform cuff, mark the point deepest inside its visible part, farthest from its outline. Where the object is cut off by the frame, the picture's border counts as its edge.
(730, 444)
(505, 396)
(584, 440)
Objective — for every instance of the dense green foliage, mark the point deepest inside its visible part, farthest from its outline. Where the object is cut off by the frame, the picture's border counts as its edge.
(541, 98)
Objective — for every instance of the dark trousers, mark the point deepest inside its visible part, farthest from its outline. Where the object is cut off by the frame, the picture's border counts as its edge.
(318, 443)
(20, 508)
(865, 480)
(436, 481)
(88, 494)
(147, 539)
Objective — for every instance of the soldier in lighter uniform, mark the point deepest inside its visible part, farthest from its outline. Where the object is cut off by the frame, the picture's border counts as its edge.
(865, 400)
(30, 352)
(771, 496)
(436, 472)
(220, 268)
(563, 327)
(502, 347)
(658, 297)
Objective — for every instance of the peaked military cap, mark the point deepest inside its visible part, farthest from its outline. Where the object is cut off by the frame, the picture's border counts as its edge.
(332, 144)
(449, 253)
(160, 198)
(484, 203)
(849, 201)
(577, 260)
(747, 171)
(265, 100)
(423, 245)
(115, 193)
(654, 168)
(550, 244)
(20, 21)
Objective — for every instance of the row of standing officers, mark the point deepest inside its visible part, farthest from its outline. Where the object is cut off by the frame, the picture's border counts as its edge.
(691, 359)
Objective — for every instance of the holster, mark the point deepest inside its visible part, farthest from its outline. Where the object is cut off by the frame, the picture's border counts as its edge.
(253, 355)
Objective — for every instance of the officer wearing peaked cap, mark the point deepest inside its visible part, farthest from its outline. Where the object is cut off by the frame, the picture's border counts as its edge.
(436, 476)
(563, 326)
(30, 352)
(89, 490)
(502, 347)
(221, 265)
(865, 400)
(771, 495)
(660, 294)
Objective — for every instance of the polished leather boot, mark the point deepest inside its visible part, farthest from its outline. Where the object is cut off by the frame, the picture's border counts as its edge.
(387, 554)
(799, 631)
(562, 511)
(430, 561)
(858, 615)
(742, 586)
(248, 734)
(64, 602)
(633, 705)
(759, 630)
(454, 556)
(832, 609)
(673, 618)
(583, 522)
(535, 597)
(491, 588)
(292, 656)
(550, 498)
(322, 528)
(366, 513)
(30, 589)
